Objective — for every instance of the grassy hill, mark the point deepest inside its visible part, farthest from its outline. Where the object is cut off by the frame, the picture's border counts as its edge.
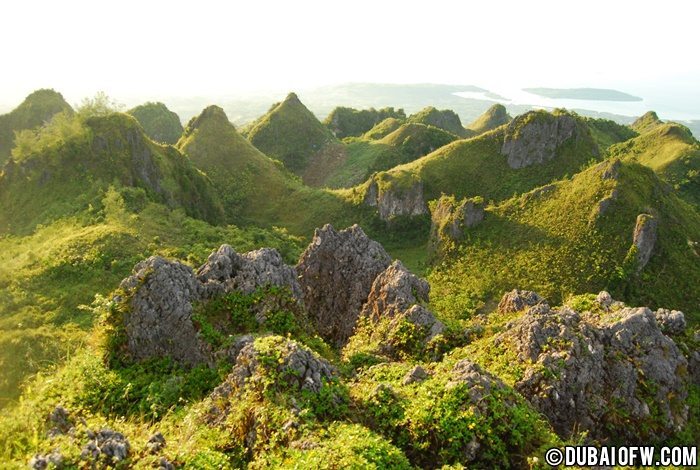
(445, 119)
(37, 109)
(67, 166)
(349, 122)
(559, 242)
(406, 143)
(158, 122)
(492, 118)
(291, 133)
(476, 167)
(383, 128)
(671, 151)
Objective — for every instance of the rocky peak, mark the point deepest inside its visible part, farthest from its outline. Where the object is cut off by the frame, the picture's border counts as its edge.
(646, 122)
(336, 273)
(492, 118)
(535, 137)
(393, 200)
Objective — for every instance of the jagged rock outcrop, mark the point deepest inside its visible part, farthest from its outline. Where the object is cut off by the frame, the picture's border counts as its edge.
(392, 200)
(106, 447)
(336, 273)
(590, 372)
(450, 219)
(671, 322)
(602, 207)
(535, 137)
(610, 170)
(644, 238)
(417, 374)
(159, 299)
(398, 294)
(158, 321)
(517, 300)
(53, 459)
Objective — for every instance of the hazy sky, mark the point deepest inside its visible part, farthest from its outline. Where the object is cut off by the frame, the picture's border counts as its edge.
(161, 48)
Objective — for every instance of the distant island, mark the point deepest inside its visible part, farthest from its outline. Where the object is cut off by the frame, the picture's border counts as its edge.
(591, 94)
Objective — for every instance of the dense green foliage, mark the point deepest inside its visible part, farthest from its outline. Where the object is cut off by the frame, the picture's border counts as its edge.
(158, 122)
(492, 118)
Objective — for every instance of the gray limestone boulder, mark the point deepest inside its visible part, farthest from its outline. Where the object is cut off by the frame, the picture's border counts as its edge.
(336, 273)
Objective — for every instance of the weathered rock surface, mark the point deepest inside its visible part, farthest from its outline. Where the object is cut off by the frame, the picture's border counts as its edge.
(158, 322)
(671, 322)
(336, 273)
(61, 421)
(644, 238)
(106, 446)
(588, 372)
(160, 295)
(610, 170)
(393, 201)
(534, 137)
(155, 443)
(417, 374)
(43, 461)
(450, 219)
(397, 294)
(517, 300)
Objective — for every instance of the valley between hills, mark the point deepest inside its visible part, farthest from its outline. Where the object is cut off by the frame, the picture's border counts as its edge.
(377, 289)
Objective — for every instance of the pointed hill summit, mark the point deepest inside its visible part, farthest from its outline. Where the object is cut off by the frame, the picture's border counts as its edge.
(494, 117)
(37, 109)
(158, 122)
(349, 122)
(646, 122)
(289, 132)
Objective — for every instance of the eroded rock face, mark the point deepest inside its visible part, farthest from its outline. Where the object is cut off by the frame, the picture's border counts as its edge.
(159, 318)
(450, 219)
(160, 295)
(396, 293)
(336, 273)
(671, 322)
(106, 446)
(645, 238)
(517, 300)
(588, 371)
(394, 201)
(534, 137)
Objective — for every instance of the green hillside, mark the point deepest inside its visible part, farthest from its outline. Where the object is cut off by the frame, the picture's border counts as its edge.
(646, 122)
(572, 238)
(289, 132)
(158, 122)
(383, 128)
(492, 118)
(476, 167)
(445, 119)
(67, 166)
(37, 109)
(671, 151)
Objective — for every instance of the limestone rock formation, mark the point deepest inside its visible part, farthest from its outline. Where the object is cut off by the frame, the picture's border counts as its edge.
(160, 294)
(396, 293)
(450, 219)
(106, 446)
(517, 300)
(158, 322)
(535, 137)
(671, 322)
(645, 233)
(586, 372)
(392, 200)
(336, 273)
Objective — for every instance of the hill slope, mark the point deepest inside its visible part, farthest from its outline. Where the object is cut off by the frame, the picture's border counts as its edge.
(36, 109)
(291, 133)
(577, 236)
(671, 151)
(158, 122)
(349, 122)
(68, 166)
